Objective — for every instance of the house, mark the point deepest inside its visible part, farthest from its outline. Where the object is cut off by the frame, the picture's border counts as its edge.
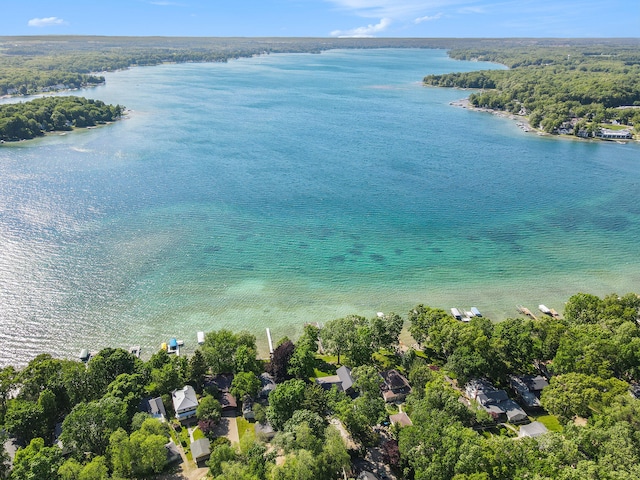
(173, 453)
(528, 388)
(222, 381)
(201, 450)
(344, 373)
(155, 408)
(247, 409)
(534, 429)
(268, 384)
(614, 134)
(495, 402)
(401, 418)
(342, 380)
(185, 402)
(229, 404)
(396, 387)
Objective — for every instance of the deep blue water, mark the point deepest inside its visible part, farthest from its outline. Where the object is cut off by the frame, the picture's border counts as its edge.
(272, 191)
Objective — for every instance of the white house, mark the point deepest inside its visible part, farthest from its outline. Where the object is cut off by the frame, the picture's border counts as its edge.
(185, 402)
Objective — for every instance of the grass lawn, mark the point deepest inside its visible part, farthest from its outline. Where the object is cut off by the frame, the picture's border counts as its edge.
(550, 421)
(197, 434)
(245, 427)
(325, 365)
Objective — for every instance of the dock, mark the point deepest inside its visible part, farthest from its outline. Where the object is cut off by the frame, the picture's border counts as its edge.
(525, 311)
(269, 340)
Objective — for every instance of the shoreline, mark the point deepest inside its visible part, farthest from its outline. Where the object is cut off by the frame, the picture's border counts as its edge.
(525, 126)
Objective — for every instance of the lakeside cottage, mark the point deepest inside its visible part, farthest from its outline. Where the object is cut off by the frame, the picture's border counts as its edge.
(396, 387)
(495, 402)
(528, 388)
(185, 402)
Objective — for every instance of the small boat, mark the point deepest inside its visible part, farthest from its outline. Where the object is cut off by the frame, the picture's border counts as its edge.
(544, 309)
(84, 355)
(476, 312)
(135, 350)
(173, 346)
(554, 314)
(456, 313)
(469, 314)
(200, 338)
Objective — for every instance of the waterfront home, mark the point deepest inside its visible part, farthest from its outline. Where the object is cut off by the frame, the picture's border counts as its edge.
(528, 388)
(395, 387)
(268, 385)
(185, 402)
(614, 134)
(495, 402)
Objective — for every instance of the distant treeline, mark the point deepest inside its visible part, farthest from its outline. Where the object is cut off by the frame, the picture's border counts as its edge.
(22, 121)
(555, 84)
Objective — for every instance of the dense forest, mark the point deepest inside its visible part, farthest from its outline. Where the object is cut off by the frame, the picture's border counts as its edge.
(591, 359)
(22, 121)
(575, 88)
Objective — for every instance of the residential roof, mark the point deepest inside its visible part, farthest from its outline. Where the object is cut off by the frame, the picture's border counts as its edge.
(156, 407)
(367, 476)
(534, 429)
(513, 411)
(184, 399)
(200, 449)
(228, 401)
(492, 396)
(223, 381)
(344, 373)
(264, 429)
(402, 418)
(330, 381)
(394, 380)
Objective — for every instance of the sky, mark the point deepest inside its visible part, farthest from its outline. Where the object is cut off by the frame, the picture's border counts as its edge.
(323, 18)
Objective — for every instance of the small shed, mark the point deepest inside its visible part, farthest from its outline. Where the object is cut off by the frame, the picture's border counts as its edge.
(201, 450)
(534, 429)
(401, 418)
(264, 431)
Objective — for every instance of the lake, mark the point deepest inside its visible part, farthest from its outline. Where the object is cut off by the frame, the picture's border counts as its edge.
(284, 189)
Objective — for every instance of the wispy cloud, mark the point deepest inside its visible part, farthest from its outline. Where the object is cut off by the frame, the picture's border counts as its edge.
(368, 31)
(395, 9)
(164, 3)
(428, 18)
(46, 22)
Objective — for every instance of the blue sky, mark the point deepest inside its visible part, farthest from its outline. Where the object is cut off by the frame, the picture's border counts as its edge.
(324, 18)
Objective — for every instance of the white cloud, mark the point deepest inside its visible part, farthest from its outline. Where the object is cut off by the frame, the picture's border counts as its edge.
(46, 22)
(362, 32)
(396, 9)
(428, 18)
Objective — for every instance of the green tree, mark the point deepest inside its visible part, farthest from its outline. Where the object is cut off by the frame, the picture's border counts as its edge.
(25, 420)
(198, 368)
(70, 469)
(96, 469)
(36, 461)
(209, 409)
(221, 454)
(245, 384)
(285, 399)
(89, 425)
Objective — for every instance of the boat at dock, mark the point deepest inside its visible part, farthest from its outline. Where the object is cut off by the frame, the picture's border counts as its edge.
(544, 309)
(476, 312)
(135, 350)
(200, 338)
(456, 313)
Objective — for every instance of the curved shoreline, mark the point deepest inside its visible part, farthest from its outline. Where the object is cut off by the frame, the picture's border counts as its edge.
(525, 126)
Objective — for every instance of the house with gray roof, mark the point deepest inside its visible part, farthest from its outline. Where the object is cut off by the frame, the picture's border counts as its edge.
(185, 402)
(534, 429)
(200, 451)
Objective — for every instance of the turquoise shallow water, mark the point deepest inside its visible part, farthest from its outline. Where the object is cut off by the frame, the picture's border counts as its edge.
(272, 191)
